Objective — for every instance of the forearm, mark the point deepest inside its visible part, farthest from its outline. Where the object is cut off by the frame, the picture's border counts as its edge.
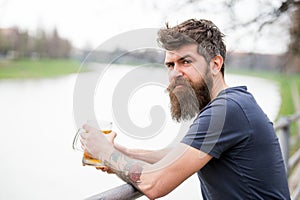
(143, 176)
(148, 156)
(156, 180)
(125, 167)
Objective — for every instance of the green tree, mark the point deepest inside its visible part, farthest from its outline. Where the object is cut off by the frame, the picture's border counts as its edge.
(57, 46)
(40, 46)
(22, 44)
(3, 44)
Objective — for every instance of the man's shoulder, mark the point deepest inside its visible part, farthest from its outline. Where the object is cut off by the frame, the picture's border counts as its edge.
(234, 97)
(231, 102)
(233, 92)
(229, 97)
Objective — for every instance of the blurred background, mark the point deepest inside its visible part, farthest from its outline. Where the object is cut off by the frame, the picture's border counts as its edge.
(45, 44)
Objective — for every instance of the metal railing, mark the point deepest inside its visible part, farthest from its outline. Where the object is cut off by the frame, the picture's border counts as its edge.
(122, 192)
(283, 131)
(128, 192)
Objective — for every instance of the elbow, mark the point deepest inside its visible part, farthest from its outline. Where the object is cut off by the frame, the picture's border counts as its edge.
(152, 191)
(151, 194)
(150, 197)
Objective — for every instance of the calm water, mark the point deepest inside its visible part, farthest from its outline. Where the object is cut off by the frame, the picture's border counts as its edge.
(37, 129)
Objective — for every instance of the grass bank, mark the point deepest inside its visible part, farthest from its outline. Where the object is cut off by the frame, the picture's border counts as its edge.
(285, 81)
(27, 68)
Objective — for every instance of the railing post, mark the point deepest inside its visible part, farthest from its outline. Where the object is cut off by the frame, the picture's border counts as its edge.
(284, 140)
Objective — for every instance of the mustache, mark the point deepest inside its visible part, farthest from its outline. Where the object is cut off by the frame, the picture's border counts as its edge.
(178, 81)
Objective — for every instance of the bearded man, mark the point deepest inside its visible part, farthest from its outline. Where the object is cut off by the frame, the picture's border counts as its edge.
(231, 143)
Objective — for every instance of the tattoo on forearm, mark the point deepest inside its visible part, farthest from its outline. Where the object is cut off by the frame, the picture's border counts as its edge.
(126, 168)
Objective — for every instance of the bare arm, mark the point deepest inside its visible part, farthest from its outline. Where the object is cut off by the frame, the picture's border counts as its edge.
(158, 179)
(149, 156)
(154, 180)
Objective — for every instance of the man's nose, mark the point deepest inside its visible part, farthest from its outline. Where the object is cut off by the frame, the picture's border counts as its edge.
(175, 73)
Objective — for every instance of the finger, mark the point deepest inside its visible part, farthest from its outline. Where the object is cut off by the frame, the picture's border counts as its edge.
(100, 167)
(83, 143)
(83, 135)
(89, 128)
(103, 168)
(113, 134)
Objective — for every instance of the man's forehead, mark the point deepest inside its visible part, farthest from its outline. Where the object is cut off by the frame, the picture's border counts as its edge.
(183, 51)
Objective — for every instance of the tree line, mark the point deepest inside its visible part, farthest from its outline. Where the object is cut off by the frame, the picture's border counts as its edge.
(16, 43)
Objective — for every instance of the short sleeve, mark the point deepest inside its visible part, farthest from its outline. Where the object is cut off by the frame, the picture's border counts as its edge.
(221, 125)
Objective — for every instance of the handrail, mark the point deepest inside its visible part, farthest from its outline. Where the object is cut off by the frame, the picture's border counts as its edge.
(283, 128)
(128, 192)
(294, 158)
(122, 192)
(284, 123)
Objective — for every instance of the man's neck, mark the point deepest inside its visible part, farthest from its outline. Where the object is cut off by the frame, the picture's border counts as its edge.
(218, 85)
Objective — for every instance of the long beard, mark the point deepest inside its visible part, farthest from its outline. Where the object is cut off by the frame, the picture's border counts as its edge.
(187, 98)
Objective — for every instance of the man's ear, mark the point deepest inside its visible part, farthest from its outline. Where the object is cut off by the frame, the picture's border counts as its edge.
(216, 64)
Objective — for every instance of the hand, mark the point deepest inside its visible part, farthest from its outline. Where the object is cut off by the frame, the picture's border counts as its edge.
(96, 144)
(111, 137)
(105, 169)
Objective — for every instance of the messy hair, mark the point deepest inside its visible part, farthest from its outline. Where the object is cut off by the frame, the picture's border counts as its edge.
(202, 32)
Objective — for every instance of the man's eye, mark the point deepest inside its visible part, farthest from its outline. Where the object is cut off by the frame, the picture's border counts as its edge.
(187, 61)
(170, 65)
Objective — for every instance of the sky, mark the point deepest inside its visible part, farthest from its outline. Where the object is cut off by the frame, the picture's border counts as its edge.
(89, 23)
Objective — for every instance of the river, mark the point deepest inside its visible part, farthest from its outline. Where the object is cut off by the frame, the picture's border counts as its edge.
(38, 126)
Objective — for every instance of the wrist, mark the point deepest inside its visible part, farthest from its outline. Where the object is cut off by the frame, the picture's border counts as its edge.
(106, 156)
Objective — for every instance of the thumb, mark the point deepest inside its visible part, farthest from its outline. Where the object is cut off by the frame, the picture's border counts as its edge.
(111, 136)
